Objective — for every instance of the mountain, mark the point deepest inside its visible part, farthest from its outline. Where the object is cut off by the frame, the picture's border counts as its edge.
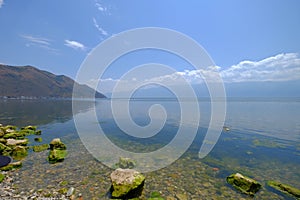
(28, 81)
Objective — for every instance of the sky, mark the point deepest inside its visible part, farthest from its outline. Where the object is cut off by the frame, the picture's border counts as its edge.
(247, 40)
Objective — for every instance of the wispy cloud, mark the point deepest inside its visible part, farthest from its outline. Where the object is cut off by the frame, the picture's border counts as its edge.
(75, 45)
(98, 27)
(102, 8)
(41, 42)
(1, 3)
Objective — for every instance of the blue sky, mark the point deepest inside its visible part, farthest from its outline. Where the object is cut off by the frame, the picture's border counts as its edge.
(247, 40)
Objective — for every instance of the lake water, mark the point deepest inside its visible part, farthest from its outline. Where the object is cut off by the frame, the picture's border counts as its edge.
(263, 143)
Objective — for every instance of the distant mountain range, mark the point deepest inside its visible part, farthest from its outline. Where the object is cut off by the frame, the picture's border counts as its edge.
(30, 82)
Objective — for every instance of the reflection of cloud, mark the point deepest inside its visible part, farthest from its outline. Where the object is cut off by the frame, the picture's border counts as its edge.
(1, 3)
(40, 42)
(75, 45)
(99, 28)
(282, 67)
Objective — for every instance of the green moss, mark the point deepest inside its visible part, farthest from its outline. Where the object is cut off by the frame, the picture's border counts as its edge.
(2, 177)
(56, 155)
(284, 188)
(19, 152)
(14, 135)
(155, 196)
(63, 190)
(57, 144)
(266, 143)
(244, 184)
(63, 183)
(32, 128)
(38, 139)
(39, 148)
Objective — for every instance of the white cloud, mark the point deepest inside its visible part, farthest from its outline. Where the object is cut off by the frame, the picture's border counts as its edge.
(1, 3)
(41, 42)
(282, 67)
(101, 30)
(75, 45)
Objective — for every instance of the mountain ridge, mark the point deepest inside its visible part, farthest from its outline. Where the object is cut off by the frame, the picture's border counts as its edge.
(29, 81)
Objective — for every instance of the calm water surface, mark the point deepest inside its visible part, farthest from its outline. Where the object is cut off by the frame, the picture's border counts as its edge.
(263, 143)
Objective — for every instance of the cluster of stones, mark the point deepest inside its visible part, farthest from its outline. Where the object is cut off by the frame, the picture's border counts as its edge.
(250, 186)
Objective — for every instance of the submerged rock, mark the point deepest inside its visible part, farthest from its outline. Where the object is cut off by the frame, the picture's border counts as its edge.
(284, 188)
(4, 160)
(125, 163)
(39, 148)
(57, 151)
(244, 184)
(126, 183)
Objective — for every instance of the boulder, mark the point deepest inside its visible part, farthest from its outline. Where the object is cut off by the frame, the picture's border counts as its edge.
(284, 188)
(57, 144)
(19, 152)
(244, 184)
(56, 155)
(13, 142)
(126, 183)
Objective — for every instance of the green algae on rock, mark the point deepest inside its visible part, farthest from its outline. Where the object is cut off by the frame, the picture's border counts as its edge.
(39, 148)
(57, 151)
(284, 188)
(244, 184)
(155, 196)
(126, 183)
(38, 139)
(19, 152)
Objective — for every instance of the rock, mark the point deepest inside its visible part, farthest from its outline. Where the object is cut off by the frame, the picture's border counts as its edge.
(57, 144)
(126, 163)
(56, 155)
(4, 160)
(19, 152)
(226, 128)
(126, 183)
(14, 135)
(244, 184)
(13, 142)
(284, 188)
(11, 166)
(70, 192)
(33, 128)
(38, 139)
(57, 151)
(39, 148)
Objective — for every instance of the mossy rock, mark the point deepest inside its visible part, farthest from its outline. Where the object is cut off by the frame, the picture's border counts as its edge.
(284, 188)
(3, 141)
(38, 139)
(63, 191)
(126, 183)
(57, 144)
(38, 132)
(39, 148)
(244, 184)
(32, 128)
(19, 152)
(2, 177)
(14, 135)
(56, 155)
(11, 166)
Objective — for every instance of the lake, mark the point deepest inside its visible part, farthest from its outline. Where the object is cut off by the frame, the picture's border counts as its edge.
(263, 143)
